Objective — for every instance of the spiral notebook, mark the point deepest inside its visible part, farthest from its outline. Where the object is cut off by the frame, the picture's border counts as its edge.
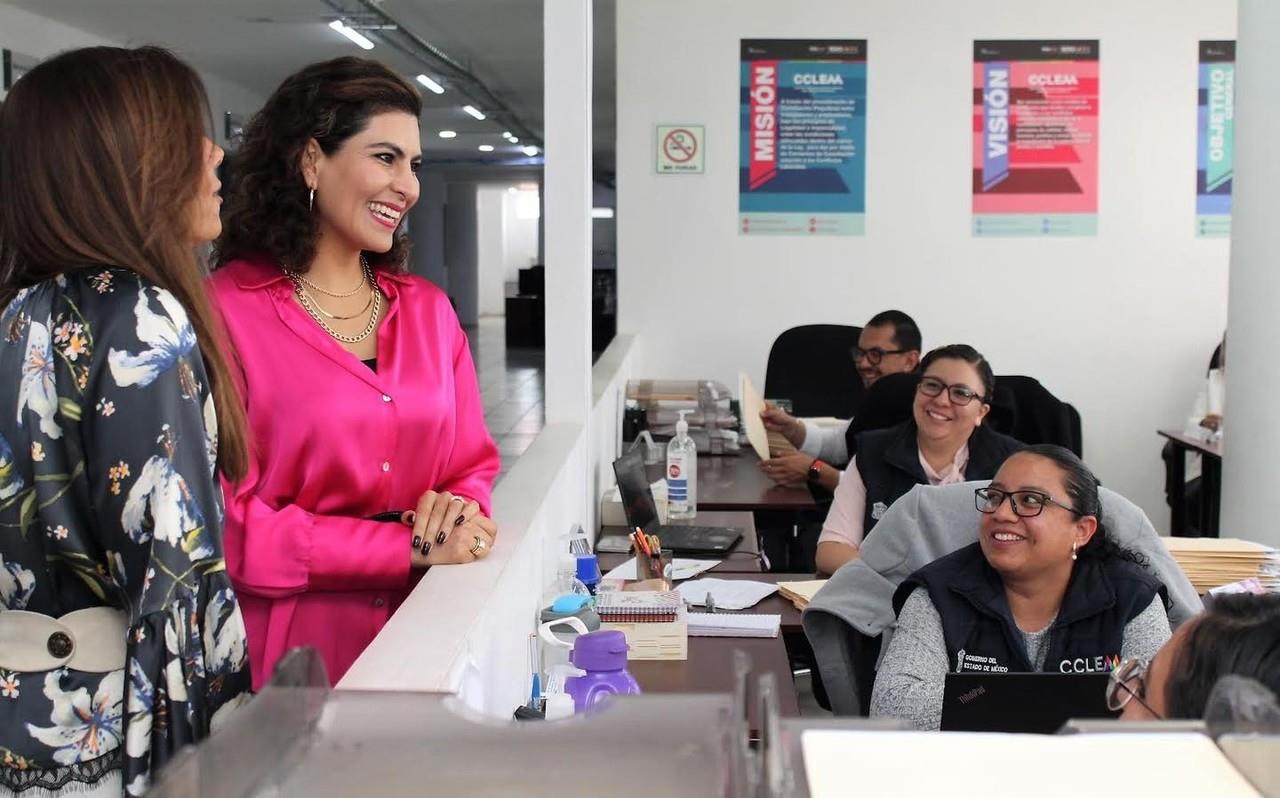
(733, 624)
(639, 606)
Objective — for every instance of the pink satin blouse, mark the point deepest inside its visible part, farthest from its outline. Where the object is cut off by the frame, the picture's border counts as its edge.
(334, 443)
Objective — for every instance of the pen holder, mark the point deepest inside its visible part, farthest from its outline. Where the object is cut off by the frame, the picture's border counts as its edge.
(653, 572)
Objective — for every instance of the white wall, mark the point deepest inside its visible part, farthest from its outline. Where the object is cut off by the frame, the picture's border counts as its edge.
(491, 233)
(36, 36)
(520, 244)
(1121, 324)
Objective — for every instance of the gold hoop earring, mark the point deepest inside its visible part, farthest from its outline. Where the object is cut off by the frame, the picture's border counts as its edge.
(311, 200)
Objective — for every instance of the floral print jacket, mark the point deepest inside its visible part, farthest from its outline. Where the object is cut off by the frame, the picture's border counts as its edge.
(108, 496)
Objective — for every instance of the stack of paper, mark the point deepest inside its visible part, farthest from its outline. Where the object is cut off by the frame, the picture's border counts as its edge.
(733, 624)
(800, 593)
(1213, 562)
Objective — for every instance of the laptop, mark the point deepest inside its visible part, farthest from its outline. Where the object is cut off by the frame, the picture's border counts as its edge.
(1038, 703)
(641, 511)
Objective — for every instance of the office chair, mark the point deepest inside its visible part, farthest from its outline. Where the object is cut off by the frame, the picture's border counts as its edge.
(813, 366)
(1024, 409)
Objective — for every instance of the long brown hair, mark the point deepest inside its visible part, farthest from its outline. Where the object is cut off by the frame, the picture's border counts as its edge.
(267, 210)
(101, 155)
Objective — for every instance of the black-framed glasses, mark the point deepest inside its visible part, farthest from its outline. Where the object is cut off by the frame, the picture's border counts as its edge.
(875, 354)
(1025, 503)
(1131, 671)
(959, 393)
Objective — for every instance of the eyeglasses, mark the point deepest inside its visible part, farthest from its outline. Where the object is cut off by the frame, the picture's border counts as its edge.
(1025, 503)
(875, 354)
(959, 393)
(1119, 692)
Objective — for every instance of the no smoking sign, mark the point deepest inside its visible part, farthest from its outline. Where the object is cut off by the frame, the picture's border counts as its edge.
(680, 149)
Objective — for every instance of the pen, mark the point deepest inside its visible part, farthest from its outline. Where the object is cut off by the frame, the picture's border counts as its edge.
(535, 691)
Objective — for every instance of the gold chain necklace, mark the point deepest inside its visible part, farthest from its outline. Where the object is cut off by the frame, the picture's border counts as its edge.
(305, 300)
(355, 315)
(364, 277)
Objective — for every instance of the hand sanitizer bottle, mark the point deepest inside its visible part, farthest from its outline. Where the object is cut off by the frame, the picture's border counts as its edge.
(682, 473)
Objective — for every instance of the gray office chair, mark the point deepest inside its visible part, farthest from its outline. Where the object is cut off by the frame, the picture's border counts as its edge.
(852, 616)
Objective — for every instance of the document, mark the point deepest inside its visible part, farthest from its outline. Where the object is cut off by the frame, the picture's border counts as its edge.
(728, 594)
(752, 404)
(681, 569)
(1170, 765)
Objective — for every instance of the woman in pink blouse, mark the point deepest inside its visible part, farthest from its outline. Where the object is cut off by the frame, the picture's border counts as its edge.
(357, 379)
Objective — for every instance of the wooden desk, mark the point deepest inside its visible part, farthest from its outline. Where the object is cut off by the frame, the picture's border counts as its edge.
(1210, 482)
(775, 604)
(743, 559)
(737, 483)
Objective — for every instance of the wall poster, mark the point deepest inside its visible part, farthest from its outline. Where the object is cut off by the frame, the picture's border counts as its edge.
(1035, 138)
(802, 137)
(1215, 155)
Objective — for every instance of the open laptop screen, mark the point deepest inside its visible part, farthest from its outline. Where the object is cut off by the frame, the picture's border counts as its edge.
(633, 487)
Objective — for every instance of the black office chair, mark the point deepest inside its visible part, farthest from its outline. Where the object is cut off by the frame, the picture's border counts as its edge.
(1024, 409)
(813, 366)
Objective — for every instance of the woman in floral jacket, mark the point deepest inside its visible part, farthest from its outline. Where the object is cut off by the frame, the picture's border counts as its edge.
(120, 637)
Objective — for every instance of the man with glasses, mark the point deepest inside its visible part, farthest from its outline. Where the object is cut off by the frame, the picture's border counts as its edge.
(889, 343)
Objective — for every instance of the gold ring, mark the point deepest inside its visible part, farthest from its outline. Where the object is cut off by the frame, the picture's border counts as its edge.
(476, 548)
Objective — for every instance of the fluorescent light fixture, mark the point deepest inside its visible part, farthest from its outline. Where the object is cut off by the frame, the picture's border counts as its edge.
(352, 34)
(529, 150)
(602, 213)
(471, 109)
(448, 134)
(506, 134)
(513, 139)
(485, 148)
(436, 88)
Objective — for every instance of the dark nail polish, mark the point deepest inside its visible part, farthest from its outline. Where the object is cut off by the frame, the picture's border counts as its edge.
(440, 538)
(458, 520)
(426, 548)
(417, 541)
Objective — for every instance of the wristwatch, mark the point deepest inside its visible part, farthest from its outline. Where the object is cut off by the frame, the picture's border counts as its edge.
(815, 471)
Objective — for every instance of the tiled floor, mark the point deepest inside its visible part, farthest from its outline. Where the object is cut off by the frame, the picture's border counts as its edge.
(512, 384)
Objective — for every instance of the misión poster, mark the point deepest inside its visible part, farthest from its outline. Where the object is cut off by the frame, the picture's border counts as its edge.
(802, 137)
(1215, 122)
(1035, 138)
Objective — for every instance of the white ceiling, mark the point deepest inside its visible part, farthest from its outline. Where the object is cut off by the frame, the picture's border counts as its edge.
(257, 43)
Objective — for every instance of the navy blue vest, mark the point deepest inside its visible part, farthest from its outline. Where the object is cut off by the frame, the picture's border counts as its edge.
(1087, 636)
(889, 463)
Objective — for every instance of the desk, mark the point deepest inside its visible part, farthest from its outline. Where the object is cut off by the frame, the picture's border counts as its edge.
(1210, 482)
(731, 482)
(744, 558)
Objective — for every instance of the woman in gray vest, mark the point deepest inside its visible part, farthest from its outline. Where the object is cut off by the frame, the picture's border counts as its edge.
(1043, 589)
(945, 441)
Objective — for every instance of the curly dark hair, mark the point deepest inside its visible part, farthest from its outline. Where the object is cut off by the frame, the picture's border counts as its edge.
(1236, 634)
(1082, 488)
(267, 211)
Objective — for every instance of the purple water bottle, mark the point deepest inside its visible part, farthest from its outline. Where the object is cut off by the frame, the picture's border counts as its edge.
(603, 655)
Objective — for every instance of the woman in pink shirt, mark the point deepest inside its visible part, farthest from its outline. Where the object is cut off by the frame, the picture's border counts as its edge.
(357, 379)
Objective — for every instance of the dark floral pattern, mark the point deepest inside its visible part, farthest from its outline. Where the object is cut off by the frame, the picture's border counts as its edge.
(108, 496)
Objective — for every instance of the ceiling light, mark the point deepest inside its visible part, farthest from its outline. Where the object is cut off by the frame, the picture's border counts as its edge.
(471, 109)
(506, 134)
(354, 35)
(602, 213)
(513, 139)
(431, 84)
(485, 148)
(530, 150)
(447, 134)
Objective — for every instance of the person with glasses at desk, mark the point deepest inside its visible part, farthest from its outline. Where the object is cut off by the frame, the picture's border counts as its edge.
(945, 441)
(1236, 635)
(1043, 589)
(888, 344)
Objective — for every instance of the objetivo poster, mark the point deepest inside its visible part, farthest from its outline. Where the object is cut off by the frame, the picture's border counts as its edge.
(1215, 126)
(802, 137)
(1035, 138)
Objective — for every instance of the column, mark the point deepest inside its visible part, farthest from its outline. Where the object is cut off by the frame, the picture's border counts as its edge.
(567, 208)
(1251, 474)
